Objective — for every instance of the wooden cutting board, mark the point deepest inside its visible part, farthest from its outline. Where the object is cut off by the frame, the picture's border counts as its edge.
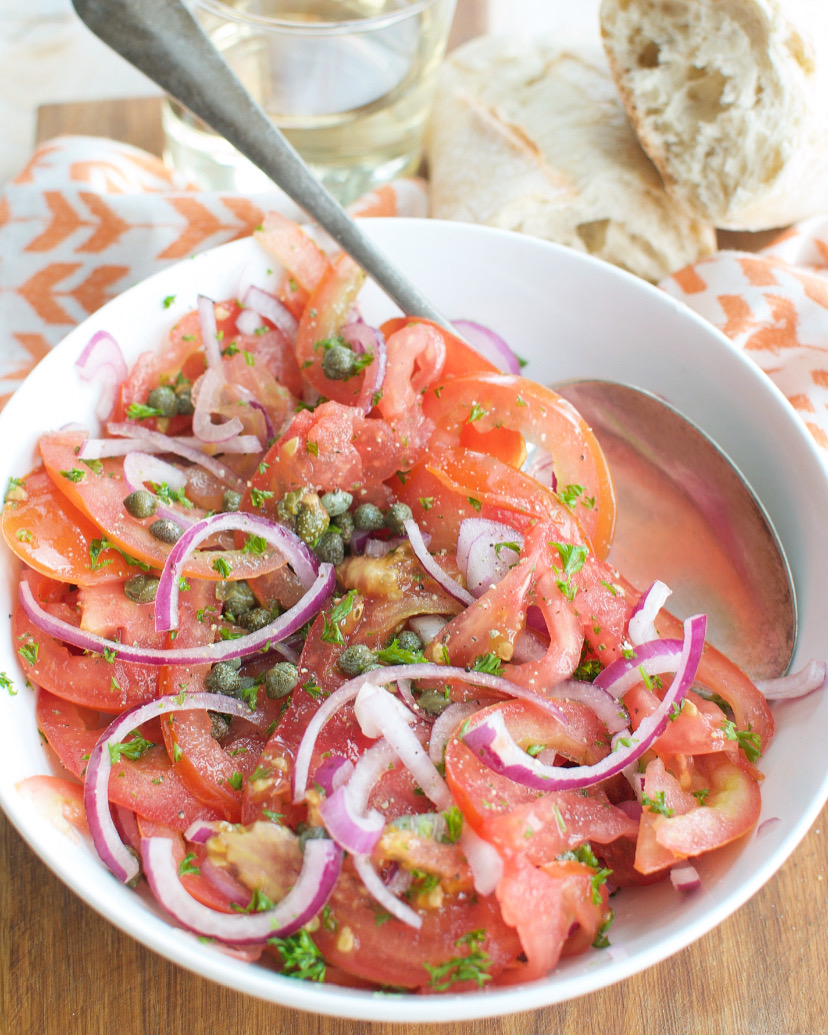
(64, 969)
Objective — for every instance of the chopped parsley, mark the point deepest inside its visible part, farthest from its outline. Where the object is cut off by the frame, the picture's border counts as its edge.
(301, 957)
(133, 749)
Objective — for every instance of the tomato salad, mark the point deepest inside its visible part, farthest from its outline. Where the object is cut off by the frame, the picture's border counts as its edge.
(324, 633)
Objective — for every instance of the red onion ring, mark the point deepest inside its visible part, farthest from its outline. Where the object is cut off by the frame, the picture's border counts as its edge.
(269, 636)
(652, 657)
(209, 331)
(140, 467)
(386, 898)
(167, 444)
(445, 724)
(333, 773)
(348, 691)
(481, 563)
(600, 702)
(364, 338)
(100, 448)
(797, 684)
(320, 868)
(494, 745)
(248, 322)
(102, 360)
(483, 859)
(641, 626)
(268, 306)
(110, 847)
(303, 561)
(207, 396)
(345, 812)
(490, 345)
(450, 585)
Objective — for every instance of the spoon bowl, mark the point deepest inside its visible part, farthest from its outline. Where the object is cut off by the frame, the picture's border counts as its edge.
(687, 516)
(163, 40)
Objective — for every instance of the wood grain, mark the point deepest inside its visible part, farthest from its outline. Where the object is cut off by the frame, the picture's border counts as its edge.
(64, 969)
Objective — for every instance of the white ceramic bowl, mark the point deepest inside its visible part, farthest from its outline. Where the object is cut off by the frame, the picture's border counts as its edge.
(570, 316)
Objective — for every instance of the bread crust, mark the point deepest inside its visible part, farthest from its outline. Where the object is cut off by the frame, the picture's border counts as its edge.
(530, 135)
(729, 98)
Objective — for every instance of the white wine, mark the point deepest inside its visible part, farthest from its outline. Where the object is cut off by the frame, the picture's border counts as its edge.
(349, 83)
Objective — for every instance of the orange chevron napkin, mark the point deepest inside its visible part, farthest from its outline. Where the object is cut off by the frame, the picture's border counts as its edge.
(89, 217)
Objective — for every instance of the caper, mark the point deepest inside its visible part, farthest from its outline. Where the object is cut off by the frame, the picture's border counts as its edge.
(281, 679)
(258, 618)
(345, 524)
(223, 678)
(311, 524)
(141, 504)
(166, 530)
(164, 399)
(311, 834)
(355, 660)
(338, 363)
(141, 588)
(409, 640)
(288, 506)
(230, 501)
(368, 518)
(184, 401)
(219, 725)
(433, 702)
(336, 502)
(330, 548)
(397, 514)
(237, 597)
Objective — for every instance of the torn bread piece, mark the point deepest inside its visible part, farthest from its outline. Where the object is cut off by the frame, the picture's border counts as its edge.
(530, 135)
(730, 100)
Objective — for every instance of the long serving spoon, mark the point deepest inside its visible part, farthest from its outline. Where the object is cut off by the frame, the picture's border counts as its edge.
(736, 570)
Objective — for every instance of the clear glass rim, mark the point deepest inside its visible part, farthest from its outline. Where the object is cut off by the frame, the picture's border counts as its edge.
(321, 28)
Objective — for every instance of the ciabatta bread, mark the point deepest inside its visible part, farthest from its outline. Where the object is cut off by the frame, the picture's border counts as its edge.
(529, 135)
(730, 100)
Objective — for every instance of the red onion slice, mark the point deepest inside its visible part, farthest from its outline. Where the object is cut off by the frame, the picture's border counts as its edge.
(785, 688)
(100, 448)
(427, 627)
(209, 331)
(383, 895)
(333, 773)
(445, 724)
(321, 866)
(140, 467)
(390, 719)
(207, 395)
(348, 691)
(286, 543)
(494, 745)
(450, 585)
(490, 345)
(363, 338)
(266, 638)
(104, 833)
(268, 306)
(611, 712)
(167, 444)
(345, 813)
(650, 658)
(641, 626)
(248, 322)
(481, 555)
(484, 860)
(685, 877)
(102, 360)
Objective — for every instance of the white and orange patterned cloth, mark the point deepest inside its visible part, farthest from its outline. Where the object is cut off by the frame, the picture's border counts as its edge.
(89, 217)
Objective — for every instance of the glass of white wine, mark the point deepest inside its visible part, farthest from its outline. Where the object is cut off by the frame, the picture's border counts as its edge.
(349, 82)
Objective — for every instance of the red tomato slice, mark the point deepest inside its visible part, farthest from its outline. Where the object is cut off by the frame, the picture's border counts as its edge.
(57, 800)
(100, 497)
(288, 242)
(51, 535)
(416, 356)
(358, 938)
(461, 358)
(484, 402)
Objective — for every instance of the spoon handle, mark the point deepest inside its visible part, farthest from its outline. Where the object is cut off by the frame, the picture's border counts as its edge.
(162, 39)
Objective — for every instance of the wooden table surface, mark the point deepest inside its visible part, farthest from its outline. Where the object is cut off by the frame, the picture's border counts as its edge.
(64, 969)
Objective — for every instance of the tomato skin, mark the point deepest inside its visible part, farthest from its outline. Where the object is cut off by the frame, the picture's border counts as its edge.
(393, 953)
(50, 534)
(484, 403)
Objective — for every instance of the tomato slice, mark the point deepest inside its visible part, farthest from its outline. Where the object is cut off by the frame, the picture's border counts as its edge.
(56, 799)
(416, 356)
(288, 242)
(461, 358)
(100, 494)
(50, 534)
(485, 402)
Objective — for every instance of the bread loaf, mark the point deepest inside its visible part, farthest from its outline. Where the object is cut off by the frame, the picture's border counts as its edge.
(531, 136)
(730, 100)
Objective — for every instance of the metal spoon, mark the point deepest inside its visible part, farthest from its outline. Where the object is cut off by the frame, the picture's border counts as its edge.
(735, 570)
(707, 535)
